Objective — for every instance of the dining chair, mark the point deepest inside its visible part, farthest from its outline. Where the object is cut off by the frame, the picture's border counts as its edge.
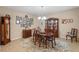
(37, 37)
(50, 38)
(72, 34)
(33, 35)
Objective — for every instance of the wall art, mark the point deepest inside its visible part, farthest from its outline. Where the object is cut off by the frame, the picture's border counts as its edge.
(67, 21)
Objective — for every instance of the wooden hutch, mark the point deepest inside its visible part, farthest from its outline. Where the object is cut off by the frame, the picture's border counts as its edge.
(52, 25)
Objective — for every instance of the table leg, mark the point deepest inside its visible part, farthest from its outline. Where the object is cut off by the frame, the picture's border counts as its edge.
(54, 40)
(46, 42)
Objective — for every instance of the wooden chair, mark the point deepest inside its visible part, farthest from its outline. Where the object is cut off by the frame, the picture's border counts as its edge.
(72, 34)
(50, 38)
(33, 34)
(37, 37)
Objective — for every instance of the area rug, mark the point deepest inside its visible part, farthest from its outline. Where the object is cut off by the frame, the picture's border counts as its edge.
(61, 46)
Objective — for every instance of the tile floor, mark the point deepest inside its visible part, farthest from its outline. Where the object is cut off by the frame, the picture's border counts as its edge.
(27, 45)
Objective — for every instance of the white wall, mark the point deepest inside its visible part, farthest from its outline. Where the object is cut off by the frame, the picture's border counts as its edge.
(64, 28)
(41, 24)
(16, 30)
(69, 14)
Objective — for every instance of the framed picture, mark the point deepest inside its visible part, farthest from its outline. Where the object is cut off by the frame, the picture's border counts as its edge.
(71, 20)
(18, 19)
(66, 21)
(31, 21)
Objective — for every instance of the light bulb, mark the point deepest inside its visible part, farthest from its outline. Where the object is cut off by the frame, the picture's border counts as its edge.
(44, 17)
(39, 18)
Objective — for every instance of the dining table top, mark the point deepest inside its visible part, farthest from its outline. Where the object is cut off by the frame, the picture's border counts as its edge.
(46, 34)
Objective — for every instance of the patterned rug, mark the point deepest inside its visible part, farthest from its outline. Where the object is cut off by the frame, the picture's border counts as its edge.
(61, 46)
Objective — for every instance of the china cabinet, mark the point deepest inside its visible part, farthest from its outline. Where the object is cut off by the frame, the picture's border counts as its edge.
(52, 25)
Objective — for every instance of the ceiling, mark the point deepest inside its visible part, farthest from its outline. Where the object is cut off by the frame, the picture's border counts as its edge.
(41, 10)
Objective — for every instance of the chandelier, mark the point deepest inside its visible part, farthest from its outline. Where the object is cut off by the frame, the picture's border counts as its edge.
(42, 18)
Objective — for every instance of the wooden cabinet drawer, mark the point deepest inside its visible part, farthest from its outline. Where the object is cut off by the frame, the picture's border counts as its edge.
(26, 33)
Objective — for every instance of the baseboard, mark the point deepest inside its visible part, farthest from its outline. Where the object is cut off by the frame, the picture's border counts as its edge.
(16, 38)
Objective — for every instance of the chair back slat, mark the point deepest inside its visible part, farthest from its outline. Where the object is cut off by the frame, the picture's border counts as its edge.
(74, 32)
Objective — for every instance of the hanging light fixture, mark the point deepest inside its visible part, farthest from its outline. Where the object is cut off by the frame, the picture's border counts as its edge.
(42, 17)
(39, 18)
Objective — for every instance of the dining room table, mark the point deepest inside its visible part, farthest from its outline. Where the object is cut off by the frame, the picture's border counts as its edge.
(47, 37)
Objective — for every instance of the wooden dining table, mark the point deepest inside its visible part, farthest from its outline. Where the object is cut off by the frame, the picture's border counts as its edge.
(47, 37)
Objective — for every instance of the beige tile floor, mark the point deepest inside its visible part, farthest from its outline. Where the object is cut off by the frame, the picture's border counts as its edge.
(27, 45)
